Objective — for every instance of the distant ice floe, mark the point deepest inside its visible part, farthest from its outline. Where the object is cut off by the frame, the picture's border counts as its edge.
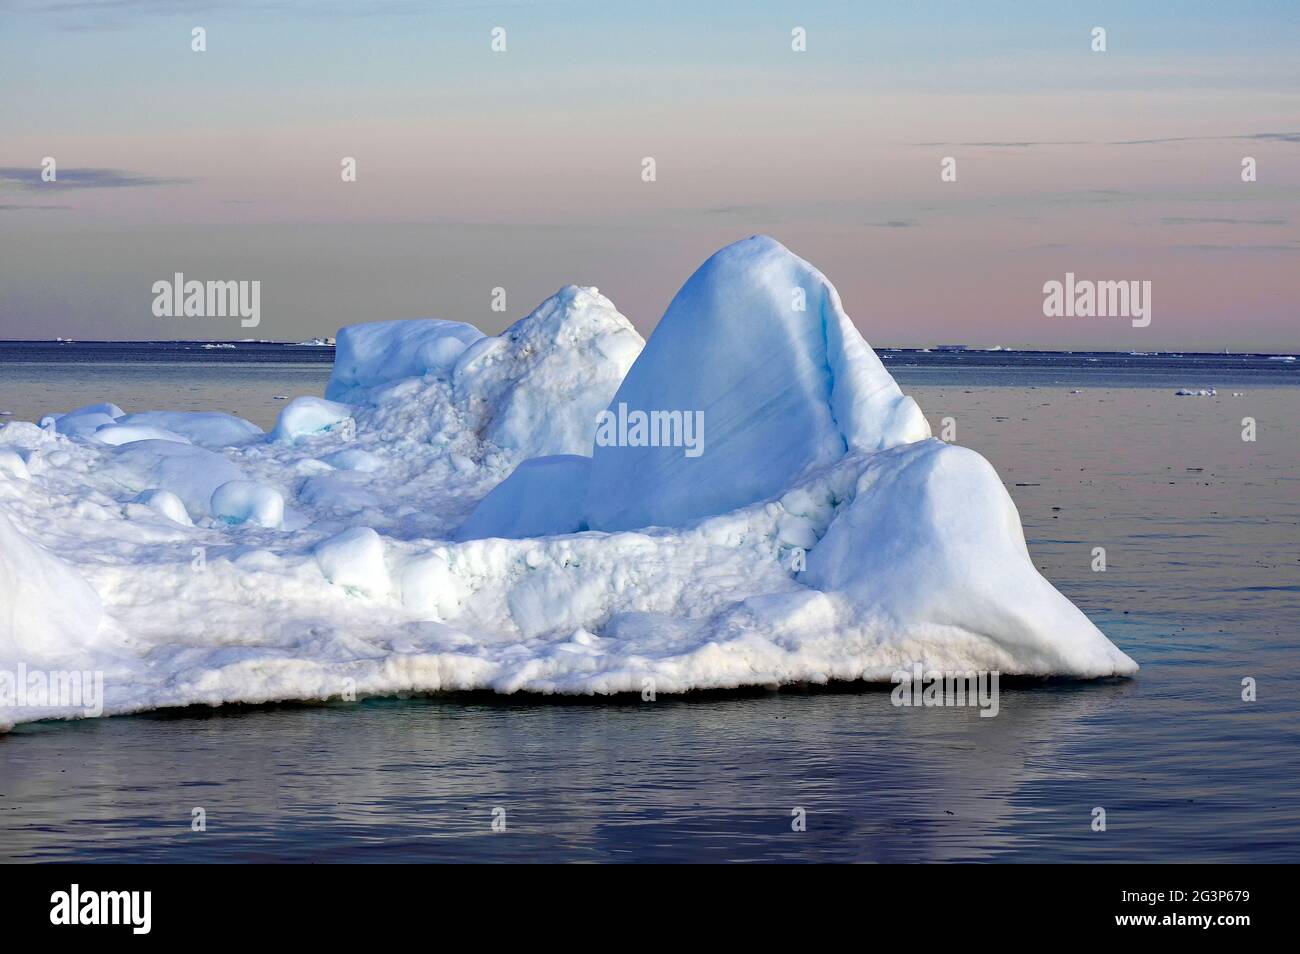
(1199, 392)
(445, 517)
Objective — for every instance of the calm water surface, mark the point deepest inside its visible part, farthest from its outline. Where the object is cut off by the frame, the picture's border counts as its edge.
(1202, 588)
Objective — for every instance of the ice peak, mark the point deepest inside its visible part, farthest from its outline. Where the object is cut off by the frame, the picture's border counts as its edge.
(574, 309)
(541, 382)
(758, 342)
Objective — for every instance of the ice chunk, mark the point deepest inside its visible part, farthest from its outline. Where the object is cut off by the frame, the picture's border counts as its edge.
(431, 588)
(191, 473)
(541, 383)
(248, 501)
(83, 421)
(307, 416)
(354, 559)
(48, 609)
(757, 343)
(167, 504)
(543, 496)
(206, 428)
(383, 351)
(11, 465)
(933, 542)
(117, 434)
(338, 492)
(353, 458)
(106, 407)
(80, 425)
(533, 391)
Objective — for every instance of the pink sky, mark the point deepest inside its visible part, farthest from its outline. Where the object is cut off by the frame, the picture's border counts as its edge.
(525, 173)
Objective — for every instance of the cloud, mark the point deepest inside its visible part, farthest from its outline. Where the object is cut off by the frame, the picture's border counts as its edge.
(893, 224)
(1012, 145)
(1028, 143)
(10, 207)
(1207, 247)
(1253, 137)
(29, 177)
(1195, 220)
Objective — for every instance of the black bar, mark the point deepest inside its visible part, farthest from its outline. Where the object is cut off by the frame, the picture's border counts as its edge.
(332, 904)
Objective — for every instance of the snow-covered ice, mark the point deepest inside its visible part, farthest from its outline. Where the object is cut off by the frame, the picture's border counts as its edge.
(382, 351)
(166, 503)
(50, 613)
(355, 559)
(12, 465)
(237, 501)
(309, 416)
(191, 473)
(539, 386)
(205, 428)
(445, 518)
(117, 434)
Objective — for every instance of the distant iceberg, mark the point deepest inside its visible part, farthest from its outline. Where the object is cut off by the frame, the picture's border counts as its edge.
(450, 515)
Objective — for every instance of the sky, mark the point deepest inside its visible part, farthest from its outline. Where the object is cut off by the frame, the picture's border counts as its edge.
(523, 169)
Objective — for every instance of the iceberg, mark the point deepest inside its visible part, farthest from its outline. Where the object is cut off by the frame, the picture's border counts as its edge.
(460, 512)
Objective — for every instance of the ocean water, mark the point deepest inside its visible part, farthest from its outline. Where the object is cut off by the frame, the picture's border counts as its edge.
(1202, 587)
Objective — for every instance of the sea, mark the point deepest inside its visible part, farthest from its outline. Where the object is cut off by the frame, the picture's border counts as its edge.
(1194, 499)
